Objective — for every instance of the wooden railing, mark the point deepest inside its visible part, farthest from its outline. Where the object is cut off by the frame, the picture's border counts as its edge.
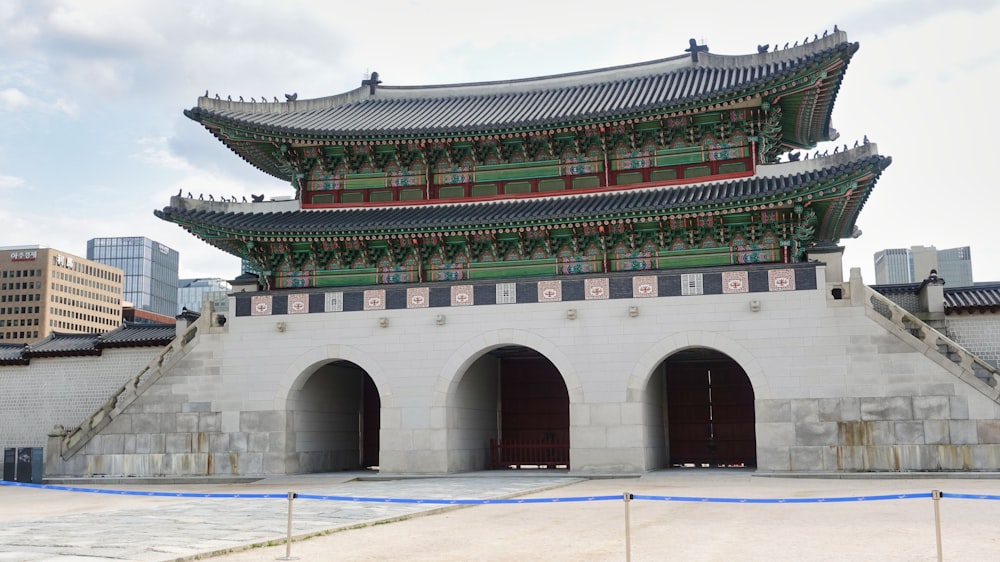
(981, 375)
(511, 453)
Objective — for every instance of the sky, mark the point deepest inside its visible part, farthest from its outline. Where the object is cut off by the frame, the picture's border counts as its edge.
(93, 139)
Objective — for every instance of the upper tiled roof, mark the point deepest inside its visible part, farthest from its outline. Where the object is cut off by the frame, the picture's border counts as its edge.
(436, 217)
(656, 86)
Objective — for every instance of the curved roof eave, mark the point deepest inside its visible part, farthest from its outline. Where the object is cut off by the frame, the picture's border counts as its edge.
(777, 181)
(404, 110)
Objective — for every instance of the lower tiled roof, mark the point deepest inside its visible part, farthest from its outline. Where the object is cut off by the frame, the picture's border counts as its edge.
(438, 216)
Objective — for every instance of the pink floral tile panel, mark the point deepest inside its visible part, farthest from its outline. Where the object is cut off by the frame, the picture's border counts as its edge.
(735, 282)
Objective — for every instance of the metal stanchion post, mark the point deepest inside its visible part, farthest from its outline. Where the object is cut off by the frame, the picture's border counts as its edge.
(288, 535)
(936, 496)
(628, 534)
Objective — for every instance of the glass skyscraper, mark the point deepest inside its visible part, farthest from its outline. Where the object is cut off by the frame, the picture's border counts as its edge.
(914, 264)
(150, 270)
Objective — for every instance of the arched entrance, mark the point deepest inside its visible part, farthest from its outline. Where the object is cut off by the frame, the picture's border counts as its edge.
(510, 410)
(335, 419)
(707, 410)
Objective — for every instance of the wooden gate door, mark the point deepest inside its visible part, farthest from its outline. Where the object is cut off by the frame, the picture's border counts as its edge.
(710, 414)
(534, 414)
(371, 407)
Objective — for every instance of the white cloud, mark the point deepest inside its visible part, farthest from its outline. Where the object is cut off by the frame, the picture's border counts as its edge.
(156, 151)
(12, 99)
(10, 182)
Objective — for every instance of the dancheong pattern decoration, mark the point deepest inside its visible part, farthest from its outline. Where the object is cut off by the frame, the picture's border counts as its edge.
(668, 164)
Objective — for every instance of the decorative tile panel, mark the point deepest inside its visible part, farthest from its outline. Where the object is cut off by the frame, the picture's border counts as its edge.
(781, 279)
(461, 295)
(506, 293)
(375, 299)
(549, 291)
(596, 289)
(735, 282)
(298, 304)
(692, 284)
(644, 286)
(334, 302)
(260, 305)
(417, 297)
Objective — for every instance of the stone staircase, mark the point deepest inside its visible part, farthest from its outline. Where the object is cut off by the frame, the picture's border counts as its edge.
(972, 370)
(70, 441)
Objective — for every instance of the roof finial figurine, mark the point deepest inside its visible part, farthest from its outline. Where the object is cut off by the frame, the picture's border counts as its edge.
(793, 156)
(836, 29)
(241, 99)
(292, 97)
(786, 46)
(866, 139)
(855, 143)
(694, 49)
(763, 48)
(180, 191)
(190, 196)
(275, 99)
(217, 96)
(836, 149)
(372, 83)
(206, 93)
(230, 98)
(825, 33)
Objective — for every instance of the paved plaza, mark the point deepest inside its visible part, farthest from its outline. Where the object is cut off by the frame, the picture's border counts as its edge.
(39, 524)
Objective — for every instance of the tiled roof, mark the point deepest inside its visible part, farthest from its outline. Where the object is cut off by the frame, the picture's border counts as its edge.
(70, 345)
(65, 344)
(136, 335)
(981, 297)
(12, 354)
(548, 209)
(654, 86)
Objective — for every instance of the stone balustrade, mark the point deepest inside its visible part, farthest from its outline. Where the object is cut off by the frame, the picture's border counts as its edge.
(72, 440)
(977, 372)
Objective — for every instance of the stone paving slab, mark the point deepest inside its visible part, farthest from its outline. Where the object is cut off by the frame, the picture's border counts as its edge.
(39, 525)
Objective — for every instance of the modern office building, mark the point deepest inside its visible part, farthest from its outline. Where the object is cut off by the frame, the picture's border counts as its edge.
(150, 270)
(911, 265)
(893, 266)
(44, 290)
(955, 266)
(191, 293)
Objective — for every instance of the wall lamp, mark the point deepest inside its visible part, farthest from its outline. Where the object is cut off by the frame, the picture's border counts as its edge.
(571, 314)
(439, 319)
(633, 311)
(755, 305)
(383, 322)
(280, 326)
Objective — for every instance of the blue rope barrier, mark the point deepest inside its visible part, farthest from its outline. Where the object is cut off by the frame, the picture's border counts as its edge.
(435, 501)
(783, 500)
(970, 496)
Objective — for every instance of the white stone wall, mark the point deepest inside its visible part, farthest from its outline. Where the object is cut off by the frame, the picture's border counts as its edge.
(61, 390)
(979, 333)
(834, 388)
